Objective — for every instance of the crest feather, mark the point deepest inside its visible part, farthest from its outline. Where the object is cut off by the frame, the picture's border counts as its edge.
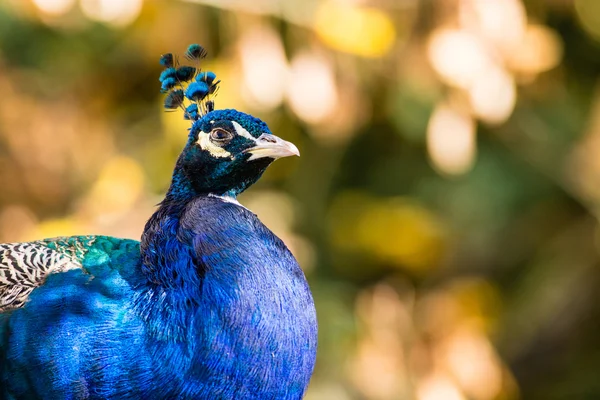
(174, 99)
(195, 52)
(185, 73)
(184, 83)
(166, 60)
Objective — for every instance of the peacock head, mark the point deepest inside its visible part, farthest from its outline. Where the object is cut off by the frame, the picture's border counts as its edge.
(227, 150)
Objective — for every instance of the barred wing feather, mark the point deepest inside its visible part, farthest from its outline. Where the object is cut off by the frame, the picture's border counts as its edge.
(25, 266)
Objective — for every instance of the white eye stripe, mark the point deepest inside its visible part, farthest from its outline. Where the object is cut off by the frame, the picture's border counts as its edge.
(205, 144)
(216, 151)
(242, 132)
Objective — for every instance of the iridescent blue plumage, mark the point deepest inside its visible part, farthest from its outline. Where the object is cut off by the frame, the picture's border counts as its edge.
(166, 60)
(167, 73)
(168, 84)
(197, 91)
(209, 305)
(208, 77)
(191, 112)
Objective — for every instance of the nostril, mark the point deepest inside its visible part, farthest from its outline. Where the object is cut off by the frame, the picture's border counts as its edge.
(269, 139)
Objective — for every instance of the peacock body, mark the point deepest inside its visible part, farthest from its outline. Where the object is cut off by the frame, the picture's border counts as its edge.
(210, 304)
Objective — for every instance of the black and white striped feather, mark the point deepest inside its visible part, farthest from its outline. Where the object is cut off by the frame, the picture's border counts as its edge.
(25, 266)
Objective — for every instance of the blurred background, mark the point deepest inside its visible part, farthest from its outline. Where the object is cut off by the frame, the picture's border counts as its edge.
(446, 205)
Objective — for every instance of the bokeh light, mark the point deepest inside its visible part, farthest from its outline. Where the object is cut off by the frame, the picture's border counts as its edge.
(501, 22)
(451, 140)
(437, 388)
(114, 12)
(459, 57)
(54, 7)
(312, 91)
(539, 50)
(372, 34)
(264, 68)
(493, 95)
(472, 361)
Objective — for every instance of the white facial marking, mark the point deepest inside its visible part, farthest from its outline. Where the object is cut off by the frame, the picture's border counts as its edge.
(243, 132)
(213, 149)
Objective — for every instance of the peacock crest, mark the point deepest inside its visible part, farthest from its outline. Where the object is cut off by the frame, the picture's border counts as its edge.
(187, 87)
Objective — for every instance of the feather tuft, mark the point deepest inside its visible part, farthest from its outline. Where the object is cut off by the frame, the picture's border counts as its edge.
(197, 91)
(191, 112)
(184, 84)
(174, 99)
(185, 73)
(168, 73)
(195, 52)
(166, 60)
(207, 77)
(168, 84)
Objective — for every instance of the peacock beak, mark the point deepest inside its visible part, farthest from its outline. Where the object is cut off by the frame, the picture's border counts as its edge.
(268, 145)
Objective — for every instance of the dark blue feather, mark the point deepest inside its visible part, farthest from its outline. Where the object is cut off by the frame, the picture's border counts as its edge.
(195, 52)
(174, 99)
(191, 112)
(210, 106)
(166, 60)
(167, 84)
(197, 91)
(167, 73)
(185, 73)
(206, 76)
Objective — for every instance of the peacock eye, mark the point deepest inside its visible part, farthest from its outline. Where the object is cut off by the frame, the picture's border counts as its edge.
(220, 135)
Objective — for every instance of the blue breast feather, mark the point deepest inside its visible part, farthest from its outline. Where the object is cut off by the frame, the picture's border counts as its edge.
(212, 305)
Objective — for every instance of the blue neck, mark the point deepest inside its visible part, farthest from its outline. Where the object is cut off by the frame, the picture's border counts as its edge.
(181, 190)
(166, 261)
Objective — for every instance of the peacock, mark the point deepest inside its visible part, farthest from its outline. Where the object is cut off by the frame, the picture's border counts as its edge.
(209, 304)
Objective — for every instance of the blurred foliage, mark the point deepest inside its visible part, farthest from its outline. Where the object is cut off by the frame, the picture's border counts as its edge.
(446, 204)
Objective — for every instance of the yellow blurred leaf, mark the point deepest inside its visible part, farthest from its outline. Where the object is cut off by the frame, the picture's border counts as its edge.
(357, 30)
(57, 227)
(118, 187)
